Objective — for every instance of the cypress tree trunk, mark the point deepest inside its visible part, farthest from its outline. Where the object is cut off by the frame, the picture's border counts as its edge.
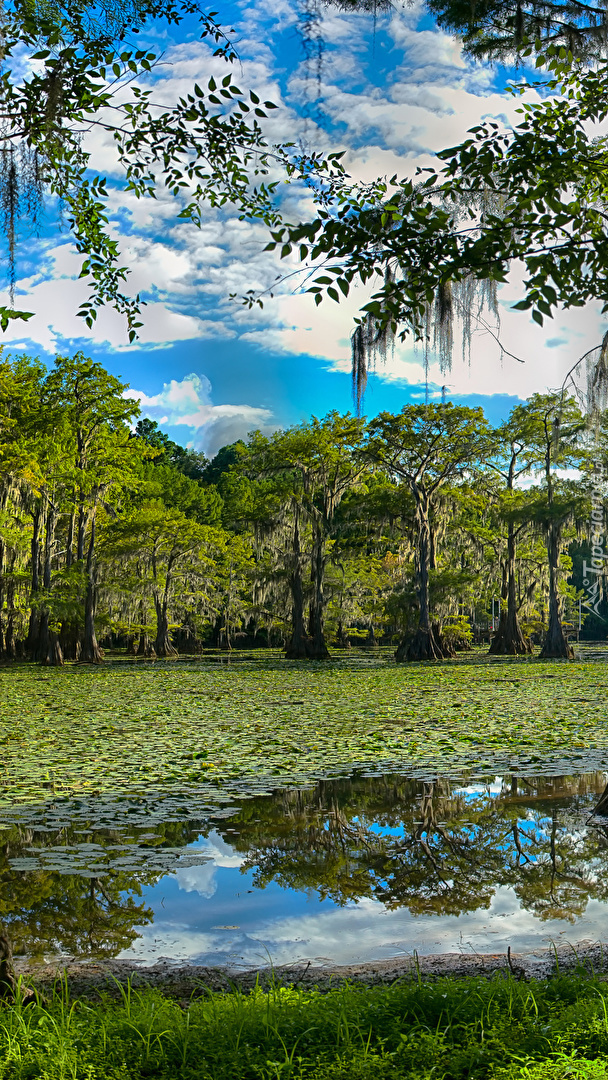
(445, 647)
(2, 595)
(34, 623)
(80, 533)
(509, 639)
(42, 645)
(10, 649)
(69, 547)
(223, 637)
(556, 644)
(70, 635)
(163, 645)
(225, 641)
(91, 653)
(317, 648)
(48, 649)
(54, 654)
(297, 646)
(424, 645)
(145, 647)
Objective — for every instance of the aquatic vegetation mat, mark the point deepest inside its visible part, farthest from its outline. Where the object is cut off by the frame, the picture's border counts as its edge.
(185, 733)
(453, 1028)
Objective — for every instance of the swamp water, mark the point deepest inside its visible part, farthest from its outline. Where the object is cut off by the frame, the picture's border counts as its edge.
(345, 870)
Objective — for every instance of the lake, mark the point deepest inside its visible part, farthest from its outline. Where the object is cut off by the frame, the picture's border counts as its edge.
(343, 870)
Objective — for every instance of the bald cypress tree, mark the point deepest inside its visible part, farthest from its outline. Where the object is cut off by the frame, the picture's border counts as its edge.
(427, 446)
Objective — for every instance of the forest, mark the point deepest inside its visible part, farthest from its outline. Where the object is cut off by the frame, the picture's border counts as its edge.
(258, 819)
(427, 529)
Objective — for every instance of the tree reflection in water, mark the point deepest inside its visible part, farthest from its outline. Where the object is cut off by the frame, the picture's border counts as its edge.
(436, 848)
(93, 916)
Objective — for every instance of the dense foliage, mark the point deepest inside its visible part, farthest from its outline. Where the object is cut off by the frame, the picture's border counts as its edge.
(77, 67)
(503, 29)
(499, 1028)
(534, 194)
(408, 528)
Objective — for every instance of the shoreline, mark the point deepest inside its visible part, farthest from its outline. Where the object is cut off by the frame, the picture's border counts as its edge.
(86, 978)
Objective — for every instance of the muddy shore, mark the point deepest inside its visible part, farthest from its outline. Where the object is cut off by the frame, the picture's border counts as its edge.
(88, 978)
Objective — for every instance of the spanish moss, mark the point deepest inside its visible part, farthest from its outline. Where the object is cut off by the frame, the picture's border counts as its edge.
(20, 196)
(464, 301)
(370, 343)
(597, 379)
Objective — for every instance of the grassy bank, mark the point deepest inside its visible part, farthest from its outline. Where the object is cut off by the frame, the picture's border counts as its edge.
(500, 1029)
(132, 729)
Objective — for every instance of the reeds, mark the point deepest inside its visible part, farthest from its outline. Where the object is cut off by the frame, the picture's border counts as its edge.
(500, 1029)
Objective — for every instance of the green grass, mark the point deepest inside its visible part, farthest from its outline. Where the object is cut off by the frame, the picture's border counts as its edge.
(194, 728)
(451, 1029)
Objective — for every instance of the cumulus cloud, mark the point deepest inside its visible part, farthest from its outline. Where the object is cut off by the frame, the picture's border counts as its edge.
(203, 879)
(187, 403)
(388, 123)
(361, 932)
(56, 294)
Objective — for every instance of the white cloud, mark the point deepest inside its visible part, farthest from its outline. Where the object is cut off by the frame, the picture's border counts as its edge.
(388, 124)
(188, 402)
(355, 933)
(55, 299)
(547, 359)
(547, 352)
(203, 879)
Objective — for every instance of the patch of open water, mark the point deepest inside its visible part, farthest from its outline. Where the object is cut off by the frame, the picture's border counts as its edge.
(345, 870)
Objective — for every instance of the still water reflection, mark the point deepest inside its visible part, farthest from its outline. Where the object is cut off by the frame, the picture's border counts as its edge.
(346, 870)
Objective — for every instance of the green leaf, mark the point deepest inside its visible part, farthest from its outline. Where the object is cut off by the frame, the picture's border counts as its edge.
(7, 315)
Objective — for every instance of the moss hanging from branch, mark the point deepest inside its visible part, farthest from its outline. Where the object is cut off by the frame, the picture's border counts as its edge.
(454, 301)
(20, 196)
(597, 379)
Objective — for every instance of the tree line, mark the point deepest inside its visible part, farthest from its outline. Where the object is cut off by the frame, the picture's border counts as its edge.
(405, 528)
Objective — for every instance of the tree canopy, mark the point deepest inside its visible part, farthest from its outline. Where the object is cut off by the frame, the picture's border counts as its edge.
(502, 29)
(333, 533)
(75, 67)
(534, 196)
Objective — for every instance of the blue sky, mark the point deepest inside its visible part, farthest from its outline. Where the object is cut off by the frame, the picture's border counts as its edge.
(206, 368)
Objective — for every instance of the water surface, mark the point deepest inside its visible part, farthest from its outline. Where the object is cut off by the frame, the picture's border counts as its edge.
(344, 870)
